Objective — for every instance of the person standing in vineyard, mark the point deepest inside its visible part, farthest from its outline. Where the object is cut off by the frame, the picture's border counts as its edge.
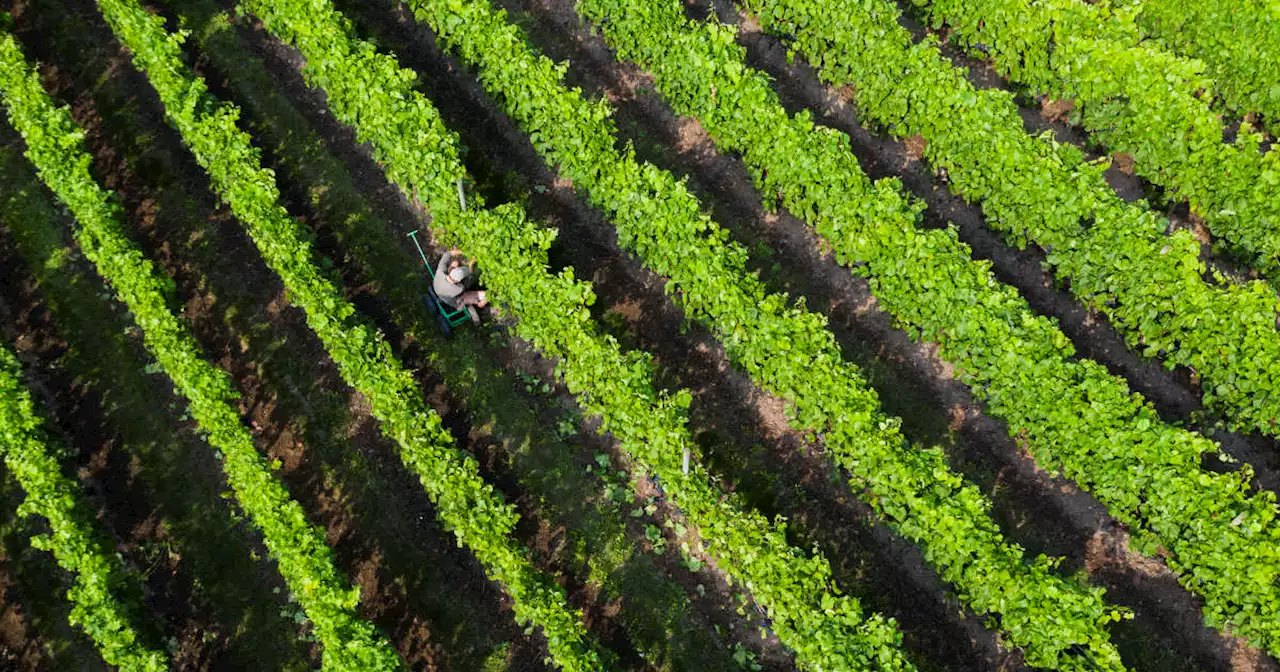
(452, 283)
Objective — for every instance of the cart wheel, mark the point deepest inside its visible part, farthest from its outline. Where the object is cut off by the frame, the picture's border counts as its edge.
(434, 308)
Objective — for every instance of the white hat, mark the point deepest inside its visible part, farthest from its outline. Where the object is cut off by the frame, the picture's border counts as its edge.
(458, 274)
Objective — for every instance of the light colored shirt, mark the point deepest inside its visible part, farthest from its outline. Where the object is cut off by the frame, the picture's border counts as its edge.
(446, 288)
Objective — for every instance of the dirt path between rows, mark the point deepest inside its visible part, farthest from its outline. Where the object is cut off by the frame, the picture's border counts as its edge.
(1056, 505)
(627, 593)
(723, 398)
(35, 633)
(1090, 531)
(1172, 393)
(292, 396)
(1041, 113)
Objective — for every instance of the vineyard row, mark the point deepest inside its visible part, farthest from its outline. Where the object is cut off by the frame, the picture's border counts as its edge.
(1074, 416)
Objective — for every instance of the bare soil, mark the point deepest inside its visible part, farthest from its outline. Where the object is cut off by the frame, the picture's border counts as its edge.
(632, 296)
(1175, 394)
(648, 606)
(237, 312)
(1042, 113)
(129, 442)
(1046, 499)
(606, 600)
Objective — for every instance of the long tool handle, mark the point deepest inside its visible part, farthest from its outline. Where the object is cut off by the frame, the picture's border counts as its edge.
(462, 201)
(414, 235)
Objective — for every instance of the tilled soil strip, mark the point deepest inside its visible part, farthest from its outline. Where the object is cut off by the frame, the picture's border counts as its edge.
(35, 633)
(238, 312)
(587, 243)
(1089, 541)
(715, 605)
(1175, 395)
(1065, 521)
(20, 646)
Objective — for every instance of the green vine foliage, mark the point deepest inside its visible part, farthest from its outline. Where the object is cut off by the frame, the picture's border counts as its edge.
(98, 608)
(1135, 98)
(55, 146)
(1074, 416)
(786, 350)
(465, 504)
(1118, 258)
(1239, 43)
(825, 629)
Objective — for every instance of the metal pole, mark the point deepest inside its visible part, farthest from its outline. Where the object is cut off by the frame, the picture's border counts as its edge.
(462, 200)
(414, 235)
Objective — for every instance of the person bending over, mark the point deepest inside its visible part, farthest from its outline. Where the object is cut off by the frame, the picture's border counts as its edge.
(453, 280)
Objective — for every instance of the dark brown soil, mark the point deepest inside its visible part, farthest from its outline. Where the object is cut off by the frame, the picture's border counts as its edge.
(238, 313)
(19, 647)
(1085, 516)
(634, 297)
(235, 307)
(1174, 394)
(1042, 113)
(432, 598)
(713, 605)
